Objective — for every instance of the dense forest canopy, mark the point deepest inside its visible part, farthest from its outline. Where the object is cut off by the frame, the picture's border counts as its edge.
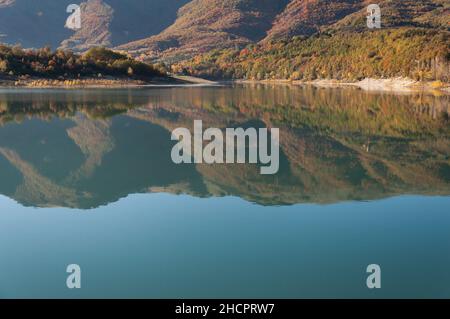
(421, 54)
(64, 64)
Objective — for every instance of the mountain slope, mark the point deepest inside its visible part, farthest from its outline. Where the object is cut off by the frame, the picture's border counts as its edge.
(176, 30)
(413, 42)
(399, 13)
(114, 22)
(203, 25)
(34, 23)
(305, 17)
(96, 17)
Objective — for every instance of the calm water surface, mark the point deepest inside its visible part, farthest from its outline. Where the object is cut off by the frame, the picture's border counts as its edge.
(86, 178)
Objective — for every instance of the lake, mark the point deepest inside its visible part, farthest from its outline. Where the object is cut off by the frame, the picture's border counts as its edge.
(86, 178)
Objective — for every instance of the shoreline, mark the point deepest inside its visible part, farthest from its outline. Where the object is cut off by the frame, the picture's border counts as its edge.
(399, 85)
(38, 83)
(395, 85)
(104, 83)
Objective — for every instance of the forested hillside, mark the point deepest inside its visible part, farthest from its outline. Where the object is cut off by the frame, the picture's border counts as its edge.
(421, 54)
(413, 42)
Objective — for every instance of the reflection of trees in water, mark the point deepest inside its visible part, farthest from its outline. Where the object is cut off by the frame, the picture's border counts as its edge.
(336, 145)
(338, 109)
(65, 104)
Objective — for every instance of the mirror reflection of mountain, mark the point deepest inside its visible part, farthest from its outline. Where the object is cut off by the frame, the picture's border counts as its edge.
(88, 148)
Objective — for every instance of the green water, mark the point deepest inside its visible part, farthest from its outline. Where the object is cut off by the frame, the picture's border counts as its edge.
(86, 178)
